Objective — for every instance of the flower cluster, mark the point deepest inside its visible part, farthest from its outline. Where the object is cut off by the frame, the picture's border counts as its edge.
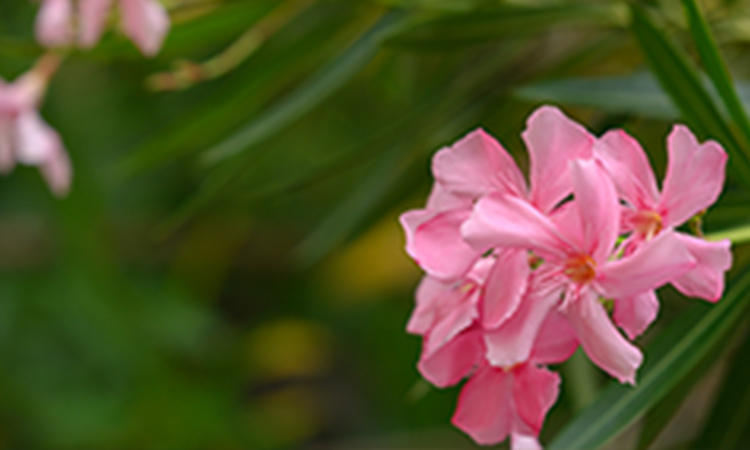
(518, 274)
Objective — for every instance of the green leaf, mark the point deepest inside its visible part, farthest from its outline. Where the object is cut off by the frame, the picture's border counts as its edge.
(718, 72)
(728, 419)
(682, 82)
(672, 355)
(661, 415)
(308, 95)
(639, 94)
(487, 25)
(738, 235)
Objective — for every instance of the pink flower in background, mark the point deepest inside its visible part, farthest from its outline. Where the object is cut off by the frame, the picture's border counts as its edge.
(517, 274)
(145, 22)
(24, 137)
(54, 26)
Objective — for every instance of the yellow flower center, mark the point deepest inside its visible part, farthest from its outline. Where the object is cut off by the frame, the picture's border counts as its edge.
(648, 224)
(580, 269)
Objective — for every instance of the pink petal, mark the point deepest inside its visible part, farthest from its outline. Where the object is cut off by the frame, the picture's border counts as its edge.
(598, 206)
(505, 286)
(634, 314)
(430, 294)
(556, 341)
(706, 279)
(629, 168)
(410, 221)
(58, 172)
(455, 320)
(53, 23)
(477, 165)
(40, 145)
(695, 176)
(524, 442)
(534, 392)
(604, 345)
(453, 361)
(513, 342)
(92, 17)
(553, 140)
(655, 263)
(485, 406)
(146, 23)
(441, 199)
(36, 141)
(508, 221)
(438, 247)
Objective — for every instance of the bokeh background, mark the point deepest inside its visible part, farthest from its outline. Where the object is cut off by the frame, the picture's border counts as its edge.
(228, 270)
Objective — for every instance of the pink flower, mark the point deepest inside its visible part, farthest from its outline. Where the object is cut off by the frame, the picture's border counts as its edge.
(145, 22)
(576, 244)
(53, 23)
(693, 182)
(24, 137)
(501, 401)
(478, 165)
(517, 274)
(446, 309)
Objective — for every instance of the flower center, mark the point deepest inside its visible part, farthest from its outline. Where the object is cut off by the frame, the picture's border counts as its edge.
(648, 224)
(580, 269)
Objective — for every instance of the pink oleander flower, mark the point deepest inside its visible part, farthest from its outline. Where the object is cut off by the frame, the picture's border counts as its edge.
(515, 269)
(693, 182)
(24, 137)
(500, 401)
(145, 22)
(577, 245)
(478, 165)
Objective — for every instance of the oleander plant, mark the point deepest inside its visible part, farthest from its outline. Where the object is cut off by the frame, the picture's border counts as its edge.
(336, 224)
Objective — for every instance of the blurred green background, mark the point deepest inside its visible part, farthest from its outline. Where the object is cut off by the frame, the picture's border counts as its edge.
(228, 271)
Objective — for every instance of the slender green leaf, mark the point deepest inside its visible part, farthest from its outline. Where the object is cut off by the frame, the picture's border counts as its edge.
(638, 94)
(487, 25)
(669, 359)
(662, 414)
(718, 72)
(308, 95)
(728, 419)
(682, 82)
(738, 235)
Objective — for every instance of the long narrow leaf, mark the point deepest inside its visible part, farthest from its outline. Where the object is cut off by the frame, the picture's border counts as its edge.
(669, 359)
(309, 95)
(728, 419)
(718, 72)
(681, 81)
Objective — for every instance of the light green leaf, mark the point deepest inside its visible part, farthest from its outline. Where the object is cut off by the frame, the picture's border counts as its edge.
(728, 419)
(718, 72)
(639, 94)
(308, 95)
(682, 82)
